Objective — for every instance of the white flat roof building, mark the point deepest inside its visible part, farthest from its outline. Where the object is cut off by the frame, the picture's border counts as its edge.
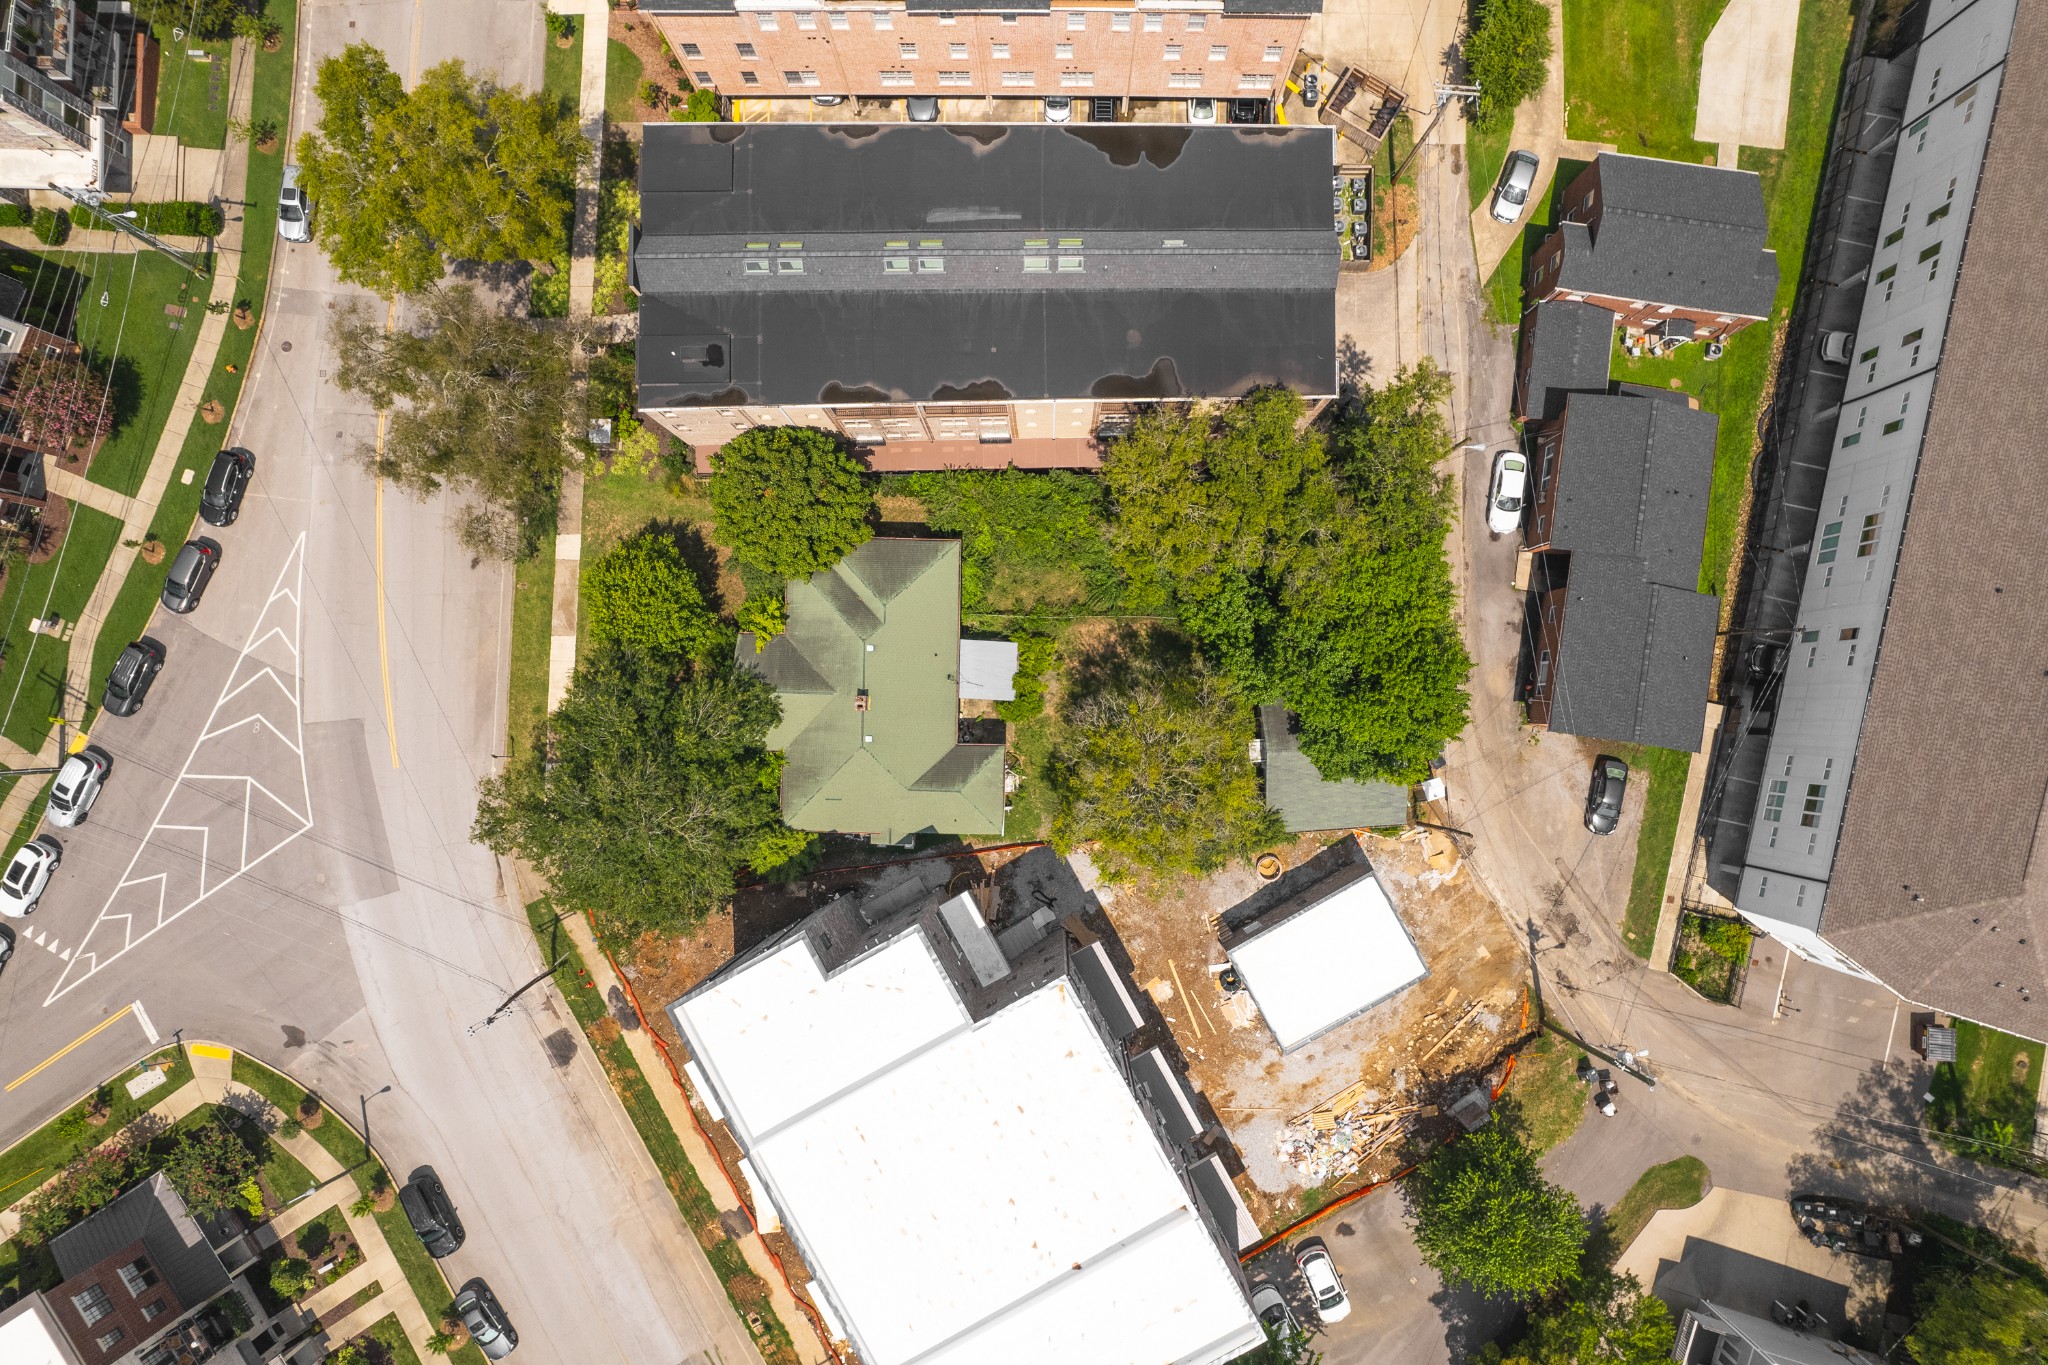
(29, 1335)
(983, 1191)
(1326, 957)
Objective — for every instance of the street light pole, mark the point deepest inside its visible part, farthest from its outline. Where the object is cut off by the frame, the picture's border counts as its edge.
(364, 1100)
(505, 1005)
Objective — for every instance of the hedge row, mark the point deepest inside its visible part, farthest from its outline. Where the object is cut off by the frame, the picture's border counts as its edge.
(174, 218)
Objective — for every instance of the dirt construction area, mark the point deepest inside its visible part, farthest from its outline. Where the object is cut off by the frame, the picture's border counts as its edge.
(1336, 1111)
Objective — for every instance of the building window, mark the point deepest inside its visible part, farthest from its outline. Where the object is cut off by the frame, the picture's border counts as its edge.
(692, 50)
(1020, 78)
(1070, 264)
(1219, 52)
(956, 78)
(703, 78)
(1853, 438)
(1155, 23)
(137, 1276)
(789, 265)
(1830, 537)
(92, 1304)
(1037, 265)
(1852, 656)
(154, 1309)
(1078, 80)
(1931, 252)
(767, 22)
(1866, 544)
(898, 78)
(747, 52)
(957, 51)
(1076, 21)
(805, 19)
(884, 21)
(1774, 801)
(1274, 52)
(839, 21)
(111, 1339)
(749, 78)
(931, 265)
(1896, 236)
(1816, 799)
(1919, 130)
(1890, 427)
(1248, 81)
(1172, 52)
(948, 19)
(907, 51)
(896, 265)
(1850, 633)
(1938, 214)
(1009, 18)
(1184, 80)
(1812, 653)
(1063, 51)
(999, 51)
(800, 77)
(1120, 23)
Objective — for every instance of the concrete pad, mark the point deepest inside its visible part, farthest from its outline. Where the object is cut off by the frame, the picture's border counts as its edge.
(1746, 74)
(1744, 1251)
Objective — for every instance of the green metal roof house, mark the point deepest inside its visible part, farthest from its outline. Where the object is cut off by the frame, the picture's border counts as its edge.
(1309, 802)
(868, 674)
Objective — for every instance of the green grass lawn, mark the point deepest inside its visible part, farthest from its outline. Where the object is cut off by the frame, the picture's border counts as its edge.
(192, 94)
(1995, 1078)
(34, 1159)
(1393, 151)
(1674, 1185)
(1486, 151)
(622, 77)
(1504, 286)
(388, 1334)
(1546, 1085)
(533, 610)
(285, 1174)
(24, 1270)
(32, 678)
(563, 69)
(1632, 73)
(121, 320)
(1664, 770)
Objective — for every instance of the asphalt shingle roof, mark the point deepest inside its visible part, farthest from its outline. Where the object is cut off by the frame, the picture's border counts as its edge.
(885, 621)
(825, 263)
(1306, 800)
(1633, 478)
(1570, 348)
(1671, 232)
(153, 1214)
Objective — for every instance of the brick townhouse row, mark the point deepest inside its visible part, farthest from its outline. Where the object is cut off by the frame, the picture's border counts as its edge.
(1218, 48)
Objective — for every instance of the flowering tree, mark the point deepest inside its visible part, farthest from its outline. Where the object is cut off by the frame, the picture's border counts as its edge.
(89, 1183)
(57, 400)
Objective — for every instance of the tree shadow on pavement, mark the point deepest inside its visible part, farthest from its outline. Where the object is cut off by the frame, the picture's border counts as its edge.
(1471, 1320)
(1875, 1150)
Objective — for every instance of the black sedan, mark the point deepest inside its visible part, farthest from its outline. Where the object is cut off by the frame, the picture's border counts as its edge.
(133, 672)
(1603, 798)
(432, 1214)
(226, 482)
(190, 572)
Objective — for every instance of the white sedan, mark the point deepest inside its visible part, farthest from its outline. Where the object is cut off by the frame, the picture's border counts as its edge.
(1504, 498)
(28, 876)
(1324, 1286)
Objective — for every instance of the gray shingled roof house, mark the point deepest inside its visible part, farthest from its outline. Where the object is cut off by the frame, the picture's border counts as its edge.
(1566, 348)
(1305, 799)
(867, 671)
(1622, 640)
(1662, 244)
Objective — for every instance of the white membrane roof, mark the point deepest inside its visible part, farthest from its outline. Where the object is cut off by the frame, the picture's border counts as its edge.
(1322, 965)
(988, 1193)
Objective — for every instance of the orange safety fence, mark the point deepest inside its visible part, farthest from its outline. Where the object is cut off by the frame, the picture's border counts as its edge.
(676, 1075)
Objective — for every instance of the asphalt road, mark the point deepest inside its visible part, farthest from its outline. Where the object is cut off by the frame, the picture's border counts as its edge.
(281, 858)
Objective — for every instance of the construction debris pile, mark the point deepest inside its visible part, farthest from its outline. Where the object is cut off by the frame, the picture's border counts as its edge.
(1341, 1134)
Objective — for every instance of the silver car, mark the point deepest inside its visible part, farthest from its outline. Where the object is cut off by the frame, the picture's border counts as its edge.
(78, 786)
(294, 212)
(1517, 178)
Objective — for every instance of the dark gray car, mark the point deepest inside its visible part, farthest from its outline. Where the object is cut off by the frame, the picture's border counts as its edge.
(132, 674)
(190, 572)
(1604, 796)
(432, 1214)
(485, 1318)
(226, 482)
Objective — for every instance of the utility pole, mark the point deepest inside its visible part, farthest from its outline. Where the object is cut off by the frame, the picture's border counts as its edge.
(505, 1005)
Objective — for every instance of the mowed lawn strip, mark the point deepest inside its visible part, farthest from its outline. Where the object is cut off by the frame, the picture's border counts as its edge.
(1632, 73)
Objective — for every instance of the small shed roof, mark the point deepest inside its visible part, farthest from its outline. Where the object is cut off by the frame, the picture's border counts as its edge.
(1328, 961)
(988, 670)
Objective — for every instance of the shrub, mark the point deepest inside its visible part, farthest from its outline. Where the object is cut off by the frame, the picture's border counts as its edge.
(252, 1198)
(290, 1277)
(1508, 54)
(1034, 660)
(290, 1129)
(441, 1343)
(174, 218)
(50, 227)
(209, 1166)
(642, 594)
(762, 613)
(701, 106)
(57, 400)
(15, 215)
(651, 93)
(560, 26)
(234, 1310)
(86, 1185)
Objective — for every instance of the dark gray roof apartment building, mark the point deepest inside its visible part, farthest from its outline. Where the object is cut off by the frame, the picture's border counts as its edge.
(1566, 348)
(1677, 250)
(982, 294)
(1619, 636)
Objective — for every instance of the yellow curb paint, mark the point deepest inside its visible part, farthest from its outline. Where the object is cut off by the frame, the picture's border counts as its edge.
(213, 1050)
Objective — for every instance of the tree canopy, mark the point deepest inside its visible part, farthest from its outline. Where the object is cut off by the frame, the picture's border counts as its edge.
(208, 1166)
(199, 18)
(1984, 1317)
(1149, 761)
(789, 500)
(1025, 536)
(456, 169)
(1508, 56)
(1309, 568)
(646, 791)
(1485, 1215)
(478, 400)
(1606, 1320)
(642, 594)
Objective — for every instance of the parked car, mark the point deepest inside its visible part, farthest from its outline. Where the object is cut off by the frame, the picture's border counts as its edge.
(294, 211)
(1311, 90)
(828, 101)
(226, 482)
(1517, 178)
(1504, 498)
(6, 945)
(1201, 111)
(190, 572)
(1059, 108)
(488, 1326)
(1269, 1305)
(1604, 796)
(432, 1214)
(1247, 111)
(1324, 1284)
(923, 108)
(1837, 347)
(28, 876)
(78, 786)
(131, 677)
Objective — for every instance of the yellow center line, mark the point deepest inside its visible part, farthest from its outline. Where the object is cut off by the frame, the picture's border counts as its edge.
(95, 1031)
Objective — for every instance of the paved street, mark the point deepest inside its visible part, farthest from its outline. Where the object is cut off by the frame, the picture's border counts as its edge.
(281, 859)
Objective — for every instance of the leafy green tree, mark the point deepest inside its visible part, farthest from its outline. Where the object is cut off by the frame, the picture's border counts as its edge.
(764, 614)
(1508, 55)
(1484, 1214)
(199, 18)
(1034, 660)
(789, 500)
(89, 1183)
(647, 791)
(1984, 1317)
(700, 107)
(1149, 763)
(1606, 1320)
(209, 1166)
(455, 169)
(642, 594)
(478, 400)
(1028, 540)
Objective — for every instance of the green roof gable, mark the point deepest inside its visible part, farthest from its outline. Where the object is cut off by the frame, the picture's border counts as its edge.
(1306, 800)
(884, 621)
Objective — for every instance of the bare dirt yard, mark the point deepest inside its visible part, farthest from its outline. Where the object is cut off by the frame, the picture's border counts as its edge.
(1423, 1047)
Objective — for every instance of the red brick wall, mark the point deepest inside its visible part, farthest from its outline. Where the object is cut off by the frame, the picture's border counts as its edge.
(1546, 466)
(852, 60)
(1548, 616)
